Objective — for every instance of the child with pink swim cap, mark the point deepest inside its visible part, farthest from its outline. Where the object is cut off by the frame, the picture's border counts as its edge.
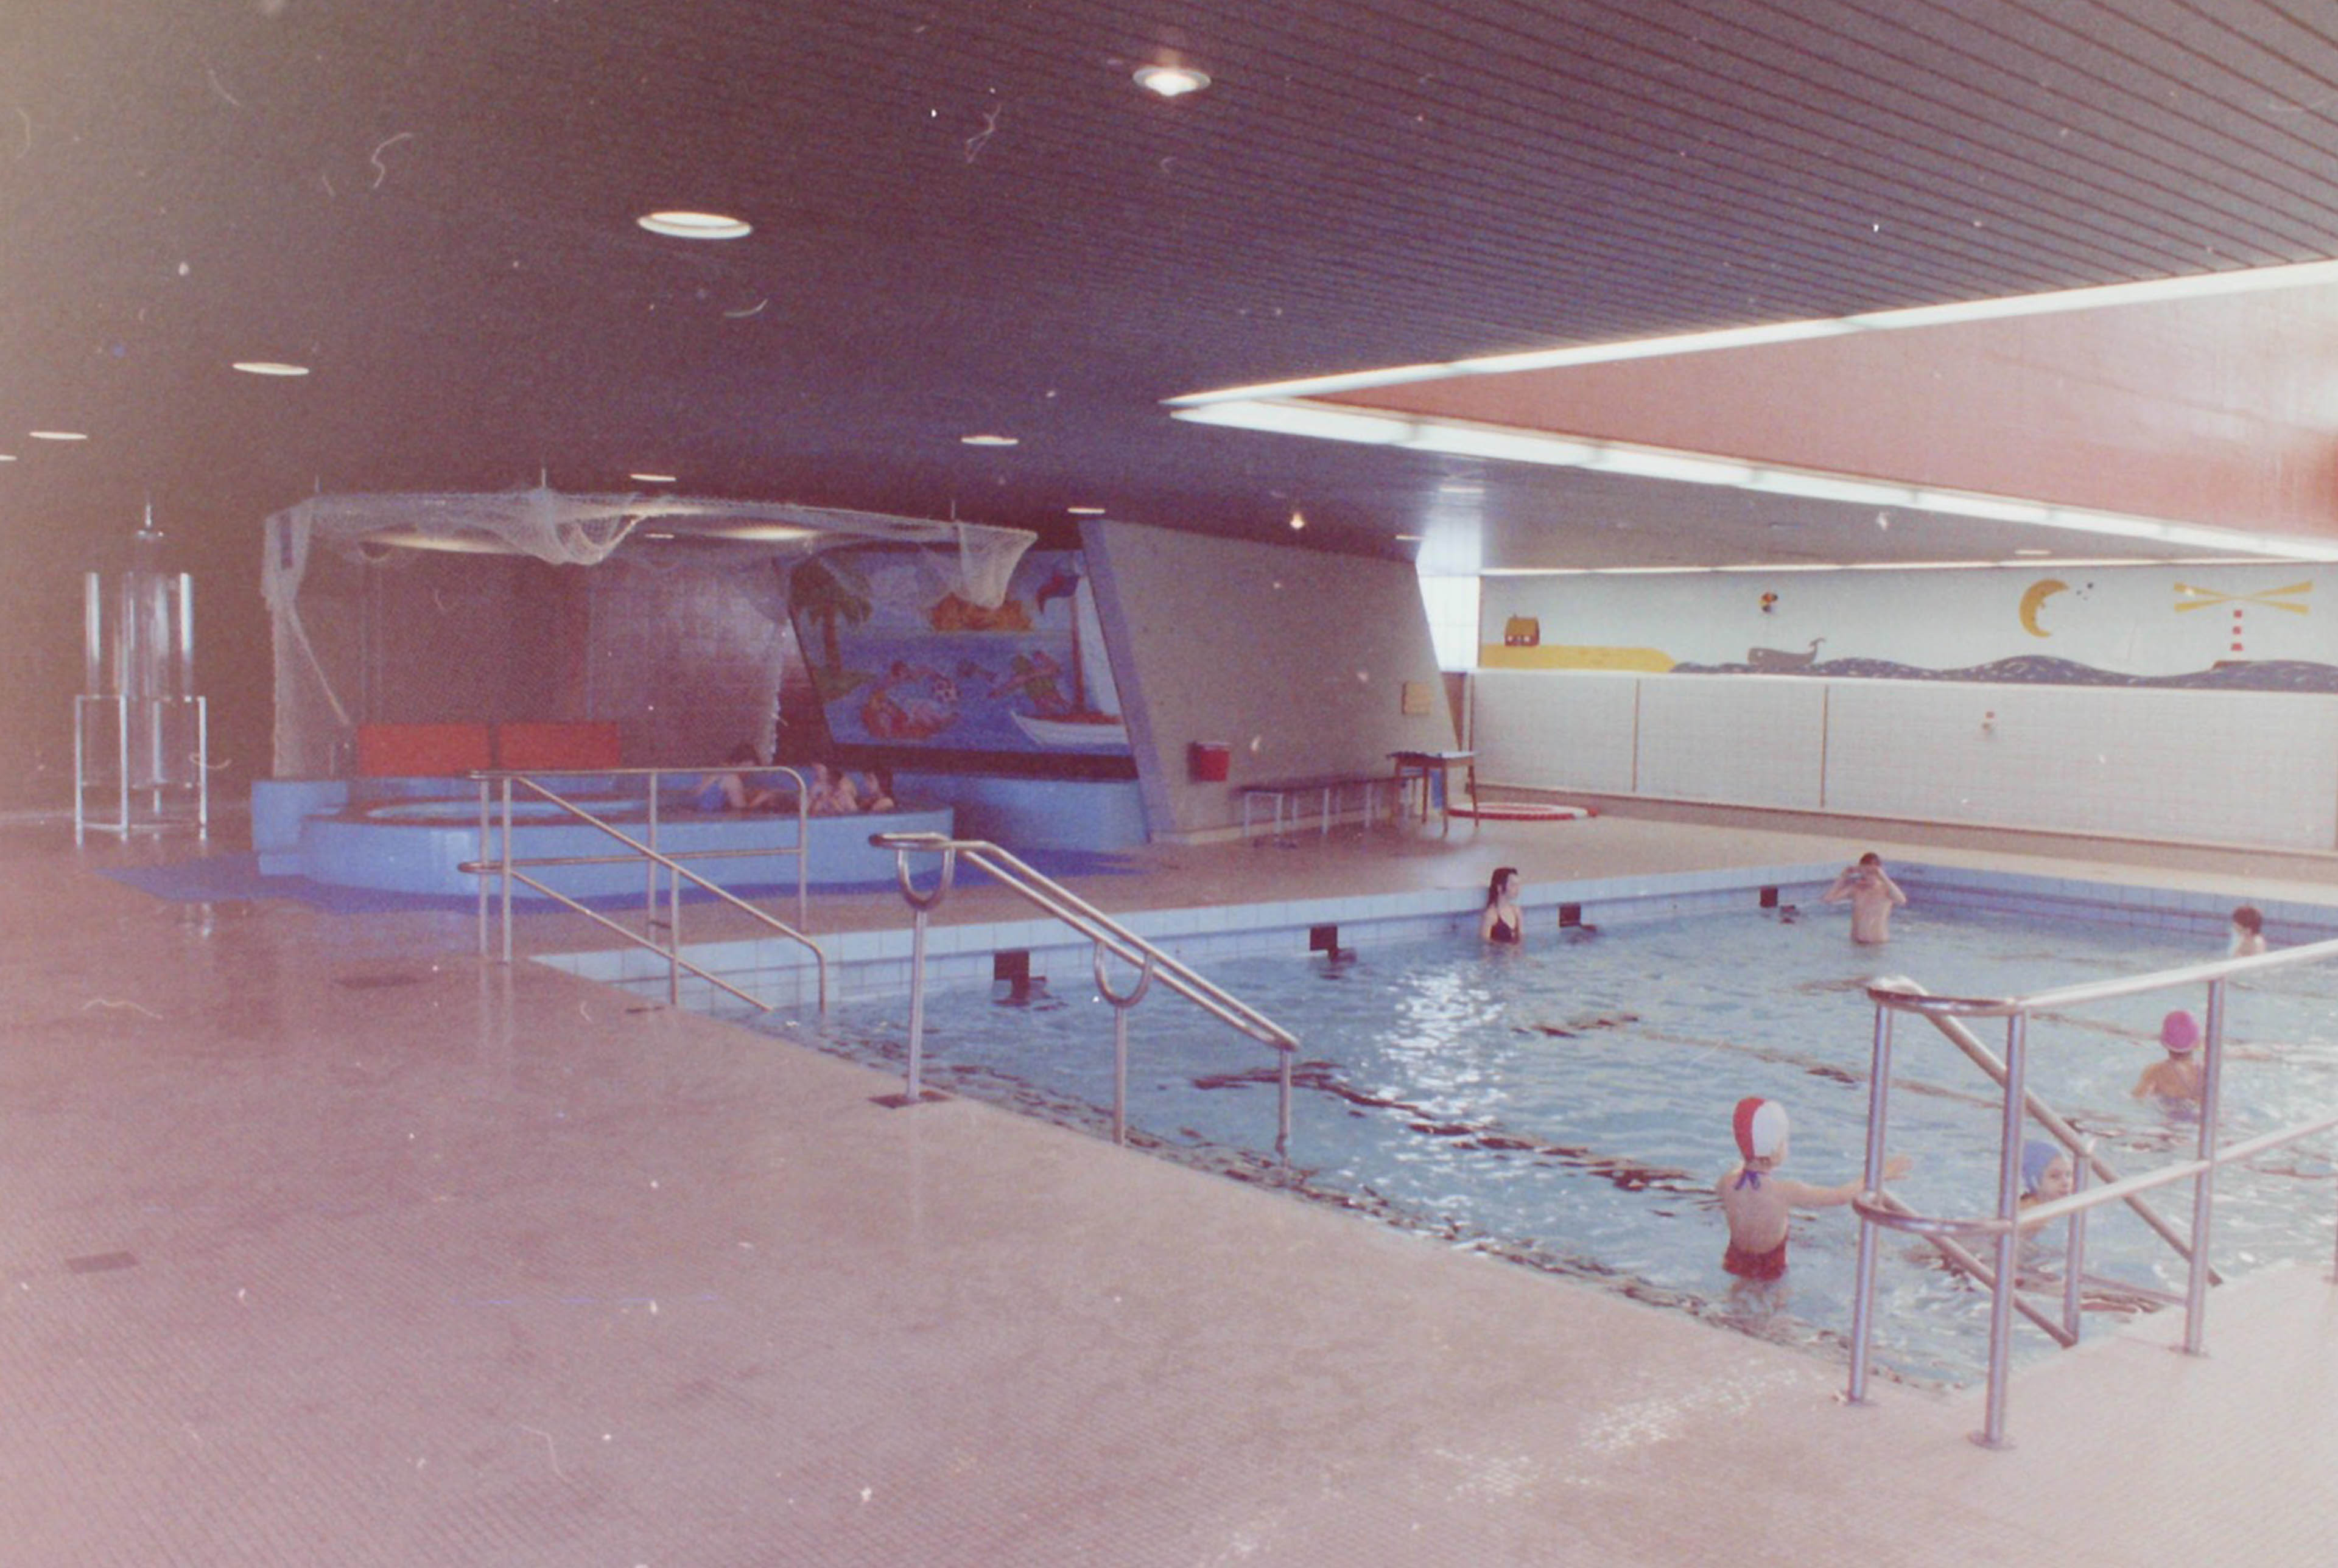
(1758, 1203)
(2177, 1077)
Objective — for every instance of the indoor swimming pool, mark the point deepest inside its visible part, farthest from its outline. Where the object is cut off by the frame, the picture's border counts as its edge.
(1567, 1105)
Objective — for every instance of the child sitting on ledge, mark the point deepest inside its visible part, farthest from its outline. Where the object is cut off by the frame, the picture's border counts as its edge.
(835, 793)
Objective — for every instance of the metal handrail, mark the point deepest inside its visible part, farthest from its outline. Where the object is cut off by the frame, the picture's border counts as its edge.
(509, 870)
(1878, 1212)
(801, 849)
(1109, 936)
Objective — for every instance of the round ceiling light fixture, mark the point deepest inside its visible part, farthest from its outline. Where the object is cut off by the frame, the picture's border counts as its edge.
(988, 440)
(1085, 511)
(680, 225)
(1170, 81)
(269, 367)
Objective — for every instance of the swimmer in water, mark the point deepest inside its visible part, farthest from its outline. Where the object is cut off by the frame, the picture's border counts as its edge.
(1503, 923)
(1873, 896)
(1759, 1204)
(2045, 1172)
(2177, 1077)
(2248, 933)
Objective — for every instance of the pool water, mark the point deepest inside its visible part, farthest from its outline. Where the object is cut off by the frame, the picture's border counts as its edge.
(1567, 1104)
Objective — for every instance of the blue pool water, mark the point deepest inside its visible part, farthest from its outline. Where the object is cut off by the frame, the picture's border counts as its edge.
(1567, 1105)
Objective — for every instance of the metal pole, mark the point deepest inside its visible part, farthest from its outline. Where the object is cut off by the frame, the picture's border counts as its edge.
(2204, 1186)
(649, 868)
(2074, 1261)
(912, 1089)
(921, 905)
(507, 870)
(1120, 1007)
(1283, 1107)
(1863, 1299)
(81, 779)
(122, 756)
(203, 769)
(674, 935)
(2009, 1240)
(486, 852)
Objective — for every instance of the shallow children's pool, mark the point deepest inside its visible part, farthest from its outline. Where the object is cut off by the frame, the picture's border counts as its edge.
(1567, 1104)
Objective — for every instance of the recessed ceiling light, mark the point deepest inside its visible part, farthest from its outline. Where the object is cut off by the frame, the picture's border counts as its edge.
(991, 440)
(653, 478)
(57, 435)
(1411, 538)
(1297, 522)
(269, 367)
(695, 225)
(1170, 81)
(1084, 510)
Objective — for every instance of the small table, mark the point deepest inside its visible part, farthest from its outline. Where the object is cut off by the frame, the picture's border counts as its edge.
(1421, 765)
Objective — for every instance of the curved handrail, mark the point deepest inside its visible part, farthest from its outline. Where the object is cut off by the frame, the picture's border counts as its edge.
(1035, 888)
(1109, 936)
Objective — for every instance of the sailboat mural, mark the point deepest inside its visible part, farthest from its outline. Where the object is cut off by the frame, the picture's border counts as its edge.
(1090, 717)
(900, 660)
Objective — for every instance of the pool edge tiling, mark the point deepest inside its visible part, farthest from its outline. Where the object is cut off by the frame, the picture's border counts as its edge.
(873, 963)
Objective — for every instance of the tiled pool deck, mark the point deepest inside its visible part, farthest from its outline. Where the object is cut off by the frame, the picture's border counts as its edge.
(328, 1243)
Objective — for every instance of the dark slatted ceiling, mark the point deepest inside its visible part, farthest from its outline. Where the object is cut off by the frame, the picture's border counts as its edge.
(968, 219)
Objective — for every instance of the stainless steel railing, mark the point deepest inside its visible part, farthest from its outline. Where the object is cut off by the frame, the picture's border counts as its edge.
(1111, 939)
(1877, 1210)
(496, 861)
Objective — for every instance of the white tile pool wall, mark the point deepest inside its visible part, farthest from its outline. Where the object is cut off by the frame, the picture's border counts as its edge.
(866, 966)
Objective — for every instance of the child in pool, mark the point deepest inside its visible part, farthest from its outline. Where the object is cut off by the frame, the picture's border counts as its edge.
(1759, 1204)
(1502, 922)
(2248, 932)
(2177, 1077)
(1873, 896)
(2045, 1172)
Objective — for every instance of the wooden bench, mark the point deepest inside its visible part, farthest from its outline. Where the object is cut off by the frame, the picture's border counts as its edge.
(1289, 796)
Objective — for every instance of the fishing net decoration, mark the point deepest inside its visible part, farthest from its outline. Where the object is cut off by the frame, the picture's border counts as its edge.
(454, 608)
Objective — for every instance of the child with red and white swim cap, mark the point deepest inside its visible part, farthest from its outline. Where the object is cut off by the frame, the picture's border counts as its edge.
(1759, 1203)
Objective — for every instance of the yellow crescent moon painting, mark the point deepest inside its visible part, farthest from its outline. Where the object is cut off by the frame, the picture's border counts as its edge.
(2045, 588)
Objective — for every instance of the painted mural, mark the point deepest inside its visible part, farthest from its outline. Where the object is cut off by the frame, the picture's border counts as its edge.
(900, 659)
(2237, 628)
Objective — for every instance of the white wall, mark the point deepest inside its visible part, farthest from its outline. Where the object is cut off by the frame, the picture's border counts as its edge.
(1297, 659)
(2224, 767)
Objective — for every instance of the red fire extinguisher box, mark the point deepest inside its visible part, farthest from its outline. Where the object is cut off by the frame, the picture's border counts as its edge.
(1209, 760)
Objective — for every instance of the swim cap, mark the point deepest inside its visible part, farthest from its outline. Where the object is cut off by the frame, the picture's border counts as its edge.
(2036, 1156)
(1760, 1127)
(2179, 1030)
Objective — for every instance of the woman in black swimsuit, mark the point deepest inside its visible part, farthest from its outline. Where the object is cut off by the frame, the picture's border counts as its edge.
(1502, 922)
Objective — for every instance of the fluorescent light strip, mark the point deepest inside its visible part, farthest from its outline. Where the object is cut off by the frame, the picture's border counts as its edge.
(1459, 437)
(2197, 286)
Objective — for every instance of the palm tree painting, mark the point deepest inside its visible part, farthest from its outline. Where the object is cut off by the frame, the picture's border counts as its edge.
(821, 594)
